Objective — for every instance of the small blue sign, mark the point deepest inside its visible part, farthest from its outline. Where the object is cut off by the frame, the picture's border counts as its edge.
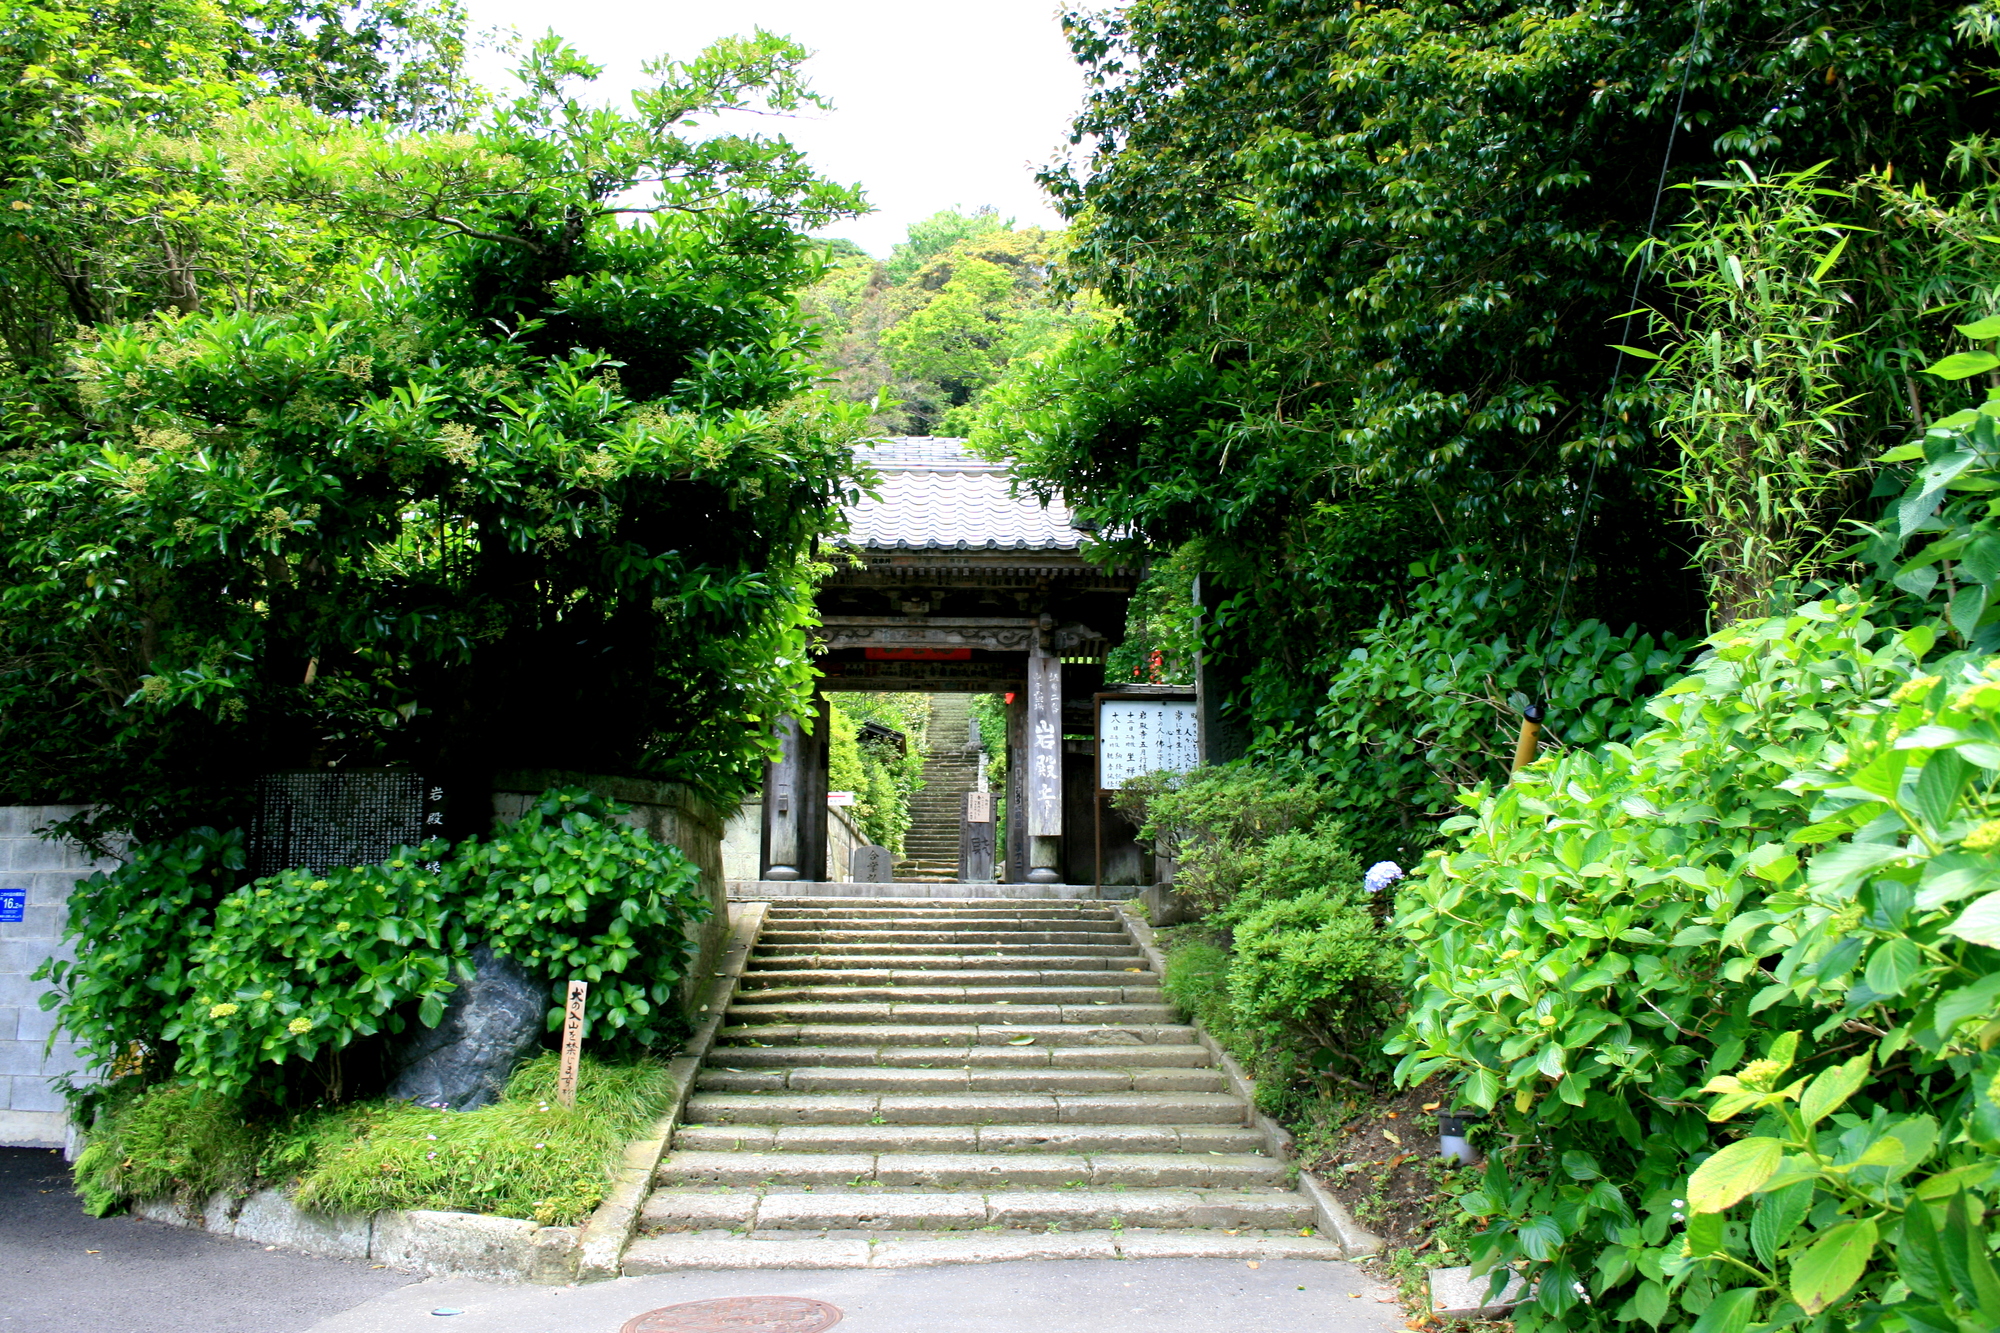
(13, 904)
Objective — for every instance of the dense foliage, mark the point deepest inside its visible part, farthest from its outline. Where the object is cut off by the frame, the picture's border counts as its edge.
(525, 477)
(940, 321)
(286, 989)
(882, 772)
(1369, 264)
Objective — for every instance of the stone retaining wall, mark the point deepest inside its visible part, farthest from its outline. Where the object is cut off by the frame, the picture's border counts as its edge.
(31, 1110)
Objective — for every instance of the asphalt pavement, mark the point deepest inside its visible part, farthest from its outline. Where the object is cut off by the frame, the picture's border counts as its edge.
(63, 1272)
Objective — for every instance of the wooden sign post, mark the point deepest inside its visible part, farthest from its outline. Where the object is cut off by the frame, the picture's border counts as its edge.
(572, 1048)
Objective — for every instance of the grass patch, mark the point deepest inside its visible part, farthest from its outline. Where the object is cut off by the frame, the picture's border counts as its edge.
(524, 1156)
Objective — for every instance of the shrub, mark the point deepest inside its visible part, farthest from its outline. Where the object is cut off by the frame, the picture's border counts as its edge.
(296, 967)
(1616, 932)
(570, 893)
(1429, 701)
(257, 989)
(1213, 821)
(133, 931)
(1316, 966)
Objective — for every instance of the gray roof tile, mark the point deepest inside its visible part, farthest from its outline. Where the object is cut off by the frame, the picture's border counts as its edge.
(938, 496)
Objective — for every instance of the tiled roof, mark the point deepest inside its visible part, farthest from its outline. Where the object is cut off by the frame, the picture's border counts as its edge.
(938, 496)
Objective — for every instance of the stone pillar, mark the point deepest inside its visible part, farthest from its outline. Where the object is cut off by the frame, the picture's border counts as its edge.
(1017, 789)
(795, 800)
(781, 806)
(1044, 775)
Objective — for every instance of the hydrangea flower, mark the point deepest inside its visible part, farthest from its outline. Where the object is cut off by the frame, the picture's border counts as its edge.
(1381, 875)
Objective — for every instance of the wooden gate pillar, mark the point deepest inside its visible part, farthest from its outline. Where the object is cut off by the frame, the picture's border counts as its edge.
(794, 842)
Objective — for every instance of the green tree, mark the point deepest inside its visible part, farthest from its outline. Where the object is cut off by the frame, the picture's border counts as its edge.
(1369, 262)
(537, 486)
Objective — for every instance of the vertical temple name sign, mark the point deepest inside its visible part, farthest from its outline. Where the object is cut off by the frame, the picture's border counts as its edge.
(572, 1046)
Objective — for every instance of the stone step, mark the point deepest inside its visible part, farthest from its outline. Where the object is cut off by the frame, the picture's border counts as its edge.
(721, 1250)
(955, 1015)
(839, 955)
(913, 993)
(845, 1078)
(1081, 935)
(871, 1209)
(685, 1168)
(939, 965)
(862, 1108)
(885, 950)
(1030, 1056)
(1011, 909)
(1203, 1139)
(949, 922)
(950, 1036)
(978, 978)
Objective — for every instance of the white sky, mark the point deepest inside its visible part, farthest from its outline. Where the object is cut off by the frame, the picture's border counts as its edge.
(937, 103)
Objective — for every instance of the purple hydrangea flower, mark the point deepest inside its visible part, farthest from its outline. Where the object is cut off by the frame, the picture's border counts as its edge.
(1381, 875)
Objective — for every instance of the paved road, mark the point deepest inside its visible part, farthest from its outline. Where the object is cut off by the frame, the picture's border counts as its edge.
(1081, 1296)
(63, 1272)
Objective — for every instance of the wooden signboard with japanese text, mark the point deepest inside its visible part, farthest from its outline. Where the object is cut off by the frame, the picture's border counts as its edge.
(1144, 733)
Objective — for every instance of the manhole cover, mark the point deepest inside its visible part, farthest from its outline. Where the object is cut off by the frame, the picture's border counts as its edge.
(738, 1314)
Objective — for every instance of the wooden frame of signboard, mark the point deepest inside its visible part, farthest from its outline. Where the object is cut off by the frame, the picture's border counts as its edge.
(1156, 694)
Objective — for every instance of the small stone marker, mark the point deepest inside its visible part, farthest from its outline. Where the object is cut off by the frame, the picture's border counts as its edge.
(975, 839)
(572, 1047)
(869, 864)
(1457, 1294)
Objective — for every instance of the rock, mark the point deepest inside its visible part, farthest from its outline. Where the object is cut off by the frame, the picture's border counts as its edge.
(491, 1023)
(1457, 1294)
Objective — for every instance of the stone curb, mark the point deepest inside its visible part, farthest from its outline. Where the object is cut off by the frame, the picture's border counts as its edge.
(437, 1244)
(471, 1245)
(1355, 1240)
(600, 1249)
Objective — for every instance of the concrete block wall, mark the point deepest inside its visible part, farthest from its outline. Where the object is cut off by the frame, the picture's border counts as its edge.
(31, 1111)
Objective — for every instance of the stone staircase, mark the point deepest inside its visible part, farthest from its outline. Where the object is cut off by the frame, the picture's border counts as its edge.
(951, 769)
(961, 1081)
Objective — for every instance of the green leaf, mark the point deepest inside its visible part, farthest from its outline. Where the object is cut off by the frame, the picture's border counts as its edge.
(1980, 922)
(1980, 330)
(1636, 351)
(1649, 1302)
(1776, 1216)
(1704, 1234)
(1902, 453)
(1963, 365)
(1919, 1257)
(1728, 1313)
(1978, 1000)
(1832, 1265)
(1825, 1094)
(1733, 1173)
(1841, 865)
(1893, 966)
